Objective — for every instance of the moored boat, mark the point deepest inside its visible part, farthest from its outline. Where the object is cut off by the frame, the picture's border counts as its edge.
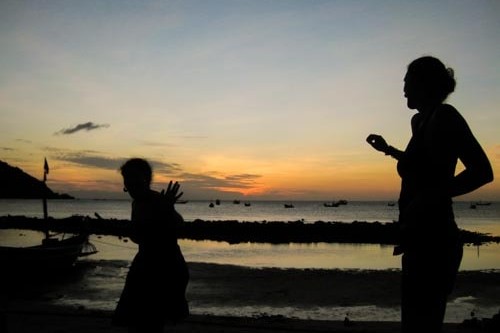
(53, 254)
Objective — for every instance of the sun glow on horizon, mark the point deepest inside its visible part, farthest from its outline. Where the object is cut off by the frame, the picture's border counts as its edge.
(260, 99)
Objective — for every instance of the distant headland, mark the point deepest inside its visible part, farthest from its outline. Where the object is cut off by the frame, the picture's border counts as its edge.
(17, 184)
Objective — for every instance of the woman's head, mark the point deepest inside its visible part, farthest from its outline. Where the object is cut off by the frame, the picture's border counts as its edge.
(428, 82)
(137, 175)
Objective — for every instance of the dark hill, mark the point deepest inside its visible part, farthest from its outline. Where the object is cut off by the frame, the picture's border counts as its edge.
(17, 184)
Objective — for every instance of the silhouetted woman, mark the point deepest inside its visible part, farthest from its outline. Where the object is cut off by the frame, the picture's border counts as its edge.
(430, 240)
(154, 292)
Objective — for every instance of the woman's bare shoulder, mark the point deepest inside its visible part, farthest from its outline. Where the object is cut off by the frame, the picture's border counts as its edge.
(449, 114)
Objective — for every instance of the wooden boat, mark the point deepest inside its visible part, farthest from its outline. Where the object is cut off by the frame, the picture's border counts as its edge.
(52, 254)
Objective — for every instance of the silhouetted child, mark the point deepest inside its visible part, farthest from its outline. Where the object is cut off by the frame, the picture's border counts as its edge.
(155, 287)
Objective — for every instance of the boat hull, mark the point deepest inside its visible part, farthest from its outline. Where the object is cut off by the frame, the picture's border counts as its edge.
(52, 254)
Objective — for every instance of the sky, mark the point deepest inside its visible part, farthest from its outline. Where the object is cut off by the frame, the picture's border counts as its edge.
(253, 99)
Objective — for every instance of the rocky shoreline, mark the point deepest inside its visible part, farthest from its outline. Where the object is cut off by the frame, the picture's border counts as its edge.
(274, 232)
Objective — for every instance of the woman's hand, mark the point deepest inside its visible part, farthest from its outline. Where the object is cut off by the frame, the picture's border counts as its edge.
(171, 195)
(377, 142)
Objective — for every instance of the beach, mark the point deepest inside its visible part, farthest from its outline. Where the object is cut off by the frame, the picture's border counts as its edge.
(242, 286)
(63, 304)
(64, 321)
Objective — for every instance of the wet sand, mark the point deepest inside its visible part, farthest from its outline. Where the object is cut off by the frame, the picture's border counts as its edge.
(36, 307)
(60, 321)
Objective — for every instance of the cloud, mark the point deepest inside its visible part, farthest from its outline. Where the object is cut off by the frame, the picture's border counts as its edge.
(164, 168)
(23, 141)
(243, 181)
(92, 159)
(243, 177)
(196, 183)
(88, 126)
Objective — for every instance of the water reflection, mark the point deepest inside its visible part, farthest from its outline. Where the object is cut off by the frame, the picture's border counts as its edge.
(321, 255)
(314, 255)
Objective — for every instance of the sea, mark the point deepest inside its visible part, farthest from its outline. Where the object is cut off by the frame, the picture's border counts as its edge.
(484, 218)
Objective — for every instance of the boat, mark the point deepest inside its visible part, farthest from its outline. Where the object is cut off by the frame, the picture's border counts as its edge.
(289, 206)
(331, 204)
(474, 205)
(247, 204)
(52, 254)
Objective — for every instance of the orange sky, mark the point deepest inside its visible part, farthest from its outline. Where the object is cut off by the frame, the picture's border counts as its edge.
(268, 99)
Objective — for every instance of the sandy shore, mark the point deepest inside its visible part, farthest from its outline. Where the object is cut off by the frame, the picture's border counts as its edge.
(53, 320)
(37, 307)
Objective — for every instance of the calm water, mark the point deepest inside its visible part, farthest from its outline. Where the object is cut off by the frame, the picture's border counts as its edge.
(483, 219)
(109, 274)
(317, 255)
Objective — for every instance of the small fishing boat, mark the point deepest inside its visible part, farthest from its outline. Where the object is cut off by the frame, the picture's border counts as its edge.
(52, 254)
